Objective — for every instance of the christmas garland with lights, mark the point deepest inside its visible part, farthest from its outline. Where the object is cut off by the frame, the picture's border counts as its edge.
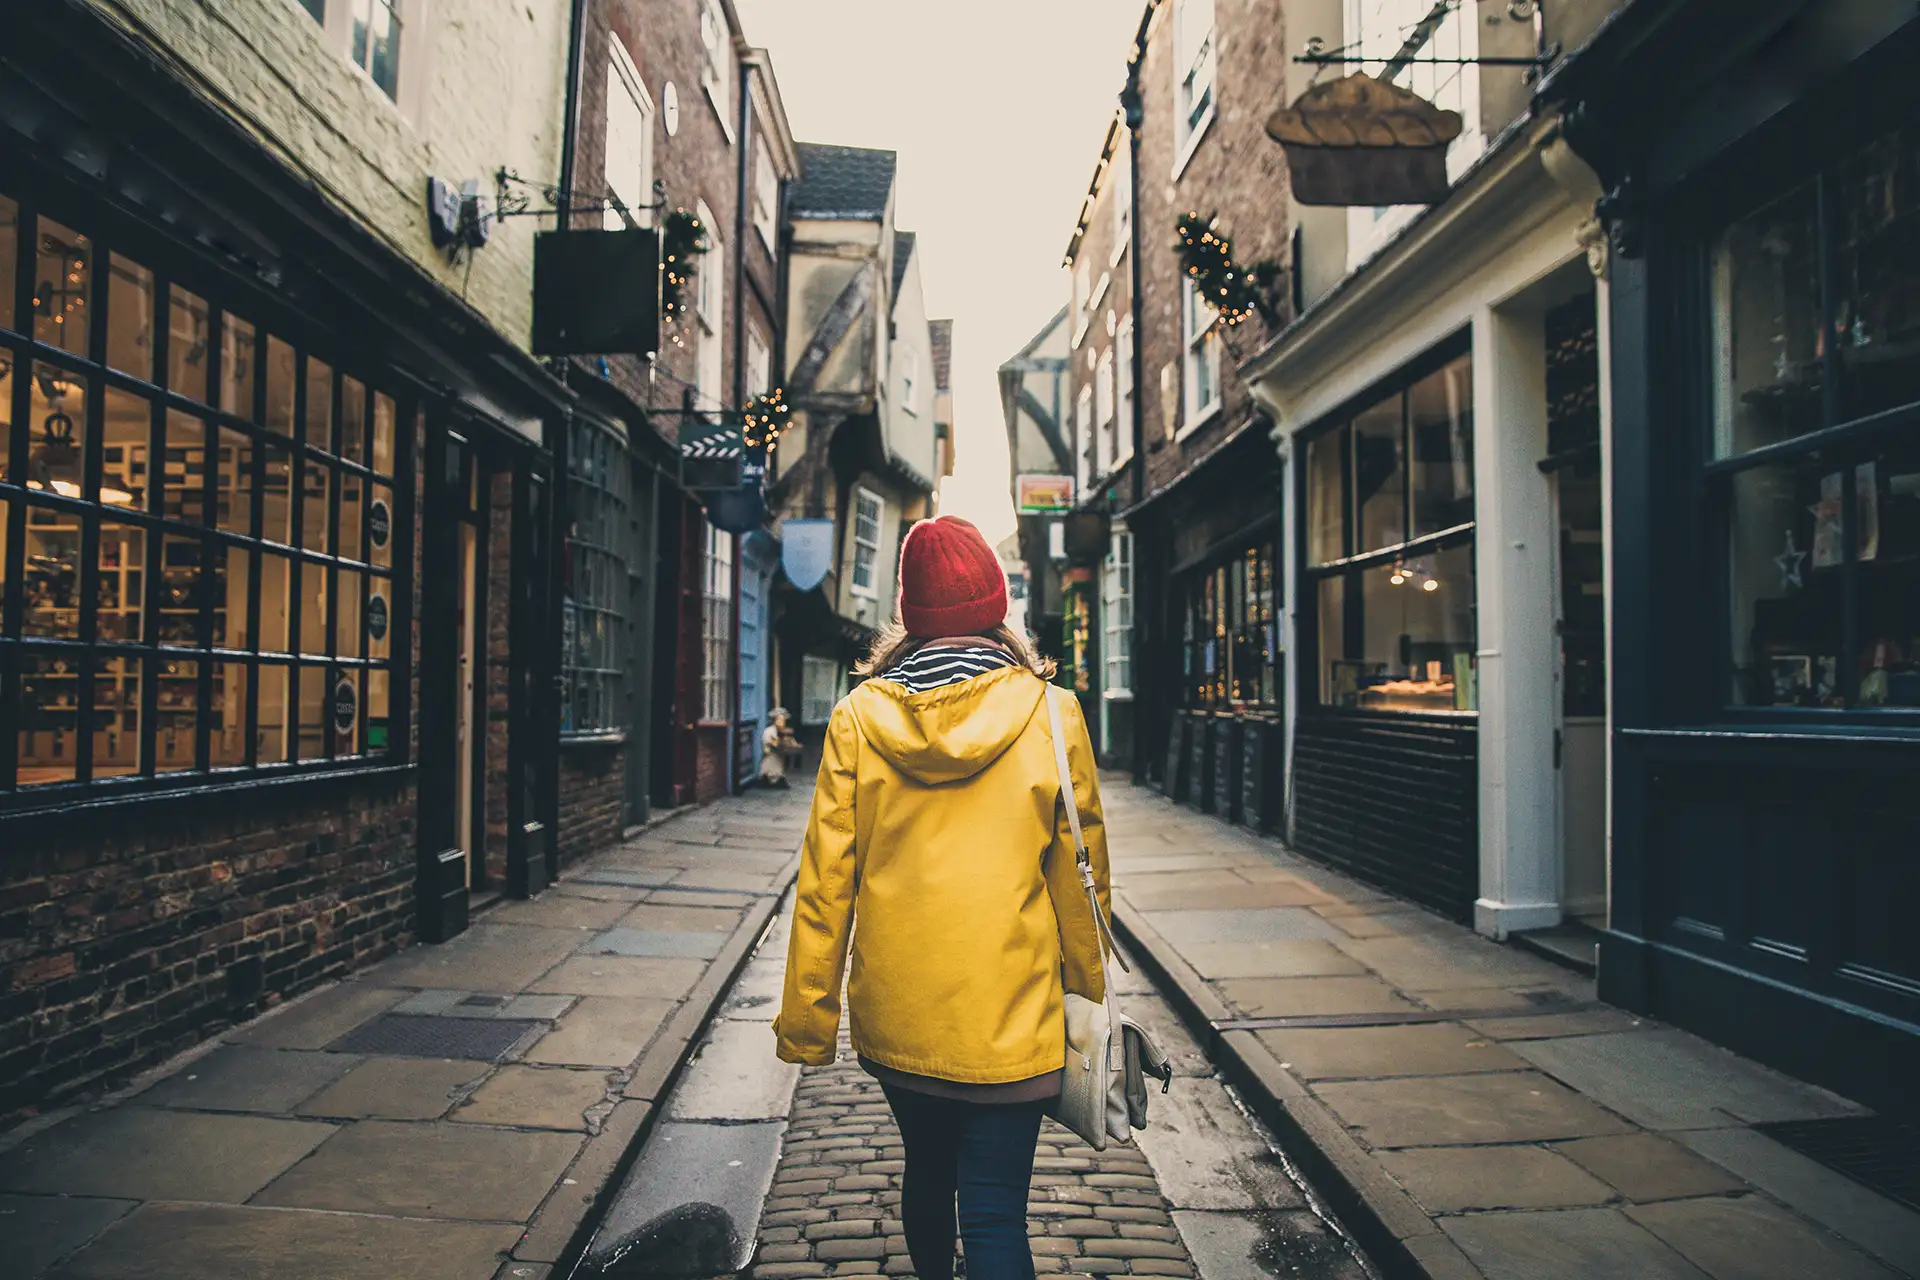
(683, 239)
(1236, 292)
(765, 419)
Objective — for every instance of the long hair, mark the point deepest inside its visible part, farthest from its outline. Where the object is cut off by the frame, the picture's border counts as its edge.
(892, 645)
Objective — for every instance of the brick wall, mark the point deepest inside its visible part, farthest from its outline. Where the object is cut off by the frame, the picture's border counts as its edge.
(592, 798)
(1235, 171)
(122, 942)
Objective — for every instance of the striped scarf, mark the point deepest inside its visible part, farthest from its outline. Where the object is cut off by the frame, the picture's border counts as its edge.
(932, 668)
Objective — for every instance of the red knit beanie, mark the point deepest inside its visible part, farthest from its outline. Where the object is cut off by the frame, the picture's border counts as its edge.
(951, 583)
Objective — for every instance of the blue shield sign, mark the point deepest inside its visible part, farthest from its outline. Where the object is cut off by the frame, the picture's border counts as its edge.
(806, 551)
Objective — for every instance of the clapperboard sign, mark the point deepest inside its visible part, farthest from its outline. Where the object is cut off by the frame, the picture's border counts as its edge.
(711, 454)
(379, 522)
(346, 705)
(377, 616)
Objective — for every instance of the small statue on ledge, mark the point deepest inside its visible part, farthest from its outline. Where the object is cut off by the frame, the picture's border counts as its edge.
(780, 750)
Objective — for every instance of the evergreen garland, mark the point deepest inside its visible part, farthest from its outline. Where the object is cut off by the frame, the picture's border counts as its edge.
(765, 419)
(683, 239)
(1236, 292)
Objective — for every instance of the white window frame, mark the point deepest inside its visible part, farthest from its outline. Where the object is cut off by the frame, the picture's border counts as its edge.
(1099, 293)
(1116, 618)
(1083, 441)
(1082, 287)
(759, 364)
(1200, 347)
(1123, 391)
(716, 69)
(909, 378)
(1120, 196)
(766, 198)
(1103, 413)
(862, 496)
(1196, 60)
(819, 688)
(716, 628)
(336, 28)
(710, 305)
(625, 85)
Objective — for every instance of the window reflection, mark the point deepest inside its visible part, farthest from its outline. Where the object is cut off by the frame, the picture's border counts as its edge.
(130, 317)
(63, 282)
(187, 344)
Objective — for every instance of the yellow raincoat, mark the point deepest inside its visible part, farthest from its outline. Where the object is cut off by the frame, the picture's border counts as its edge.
(937, 825)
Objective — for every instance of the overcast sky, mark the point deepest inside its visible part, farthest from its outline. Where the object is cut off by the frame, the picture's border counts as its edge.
(997, 108)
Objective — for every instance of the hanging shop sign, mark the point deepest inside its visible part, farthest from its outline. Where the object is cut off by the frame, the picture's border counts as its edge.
(379, 522)
(596, 293)
(806, 551)
(1043, 494)
(712, 455)
(346, 704)
(1361, 141)
(737, 510)
(377, 616)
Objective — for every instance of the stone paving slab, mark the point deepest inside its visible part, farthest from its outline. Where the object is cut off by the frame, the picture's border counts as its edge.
(656, 942)
(342, 1163)
(41, 1230)
(1667, 1079)
(1523, 1139)
(244, 1078)
(139, 1154)
(210, 1242)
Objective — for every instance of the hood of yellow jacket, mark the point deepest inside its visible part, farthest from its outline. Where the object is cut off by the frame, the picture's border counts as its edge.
(950, 733)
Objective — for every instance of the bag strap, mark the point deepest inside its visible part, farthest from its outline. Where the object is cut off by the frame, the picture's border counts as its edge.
(1082, 859)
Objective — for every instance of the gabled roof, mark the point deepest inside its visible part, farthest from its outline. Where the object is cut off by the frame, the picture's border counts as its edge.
(942, 333)
(902, 254)
(843, 182)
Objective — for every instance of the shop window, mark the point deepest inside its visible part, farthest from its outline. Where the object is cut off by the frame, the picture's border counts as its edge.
(819, 688)
(1389, 549)
(716, 627)
(593, 612)
(1116, 615)
(1231, 631)
(1076, 637)
(1817, 471)
(868, 508)
(160, 543)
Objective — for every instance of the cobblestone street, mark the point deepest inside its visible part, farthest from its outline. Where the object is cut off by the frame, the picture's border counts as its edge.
(1203, 1179)
(835, 1203)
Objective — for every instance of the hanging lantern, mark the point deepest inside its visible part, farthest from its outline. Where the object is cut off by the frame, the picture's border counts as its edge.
(1361, 141)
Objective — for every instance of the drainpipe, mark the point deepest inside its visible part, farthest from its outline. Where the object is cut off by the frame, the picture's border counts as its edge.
(740, 203)
(1144, 701)
(570, 123)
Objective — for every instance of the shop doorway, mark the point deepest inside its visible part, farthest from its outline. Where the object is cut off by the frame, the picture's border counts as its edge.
(487, 749)
(1580, 745)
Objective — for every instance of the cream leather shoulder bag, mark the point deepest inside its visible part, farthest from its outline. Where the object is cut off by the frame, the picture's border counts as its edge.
(1103, 1092)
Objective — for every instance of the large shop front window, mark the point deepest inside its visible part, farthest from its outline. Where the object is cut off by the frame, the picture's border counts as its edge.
(1389, 549)
(593, 616)
(1116, 615)
(1231, 631)
(198, 530)
(1817, 437)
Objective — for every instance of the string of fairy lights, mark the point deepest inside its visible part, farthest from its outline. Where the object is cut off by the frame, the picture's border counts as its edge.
(1238, 293)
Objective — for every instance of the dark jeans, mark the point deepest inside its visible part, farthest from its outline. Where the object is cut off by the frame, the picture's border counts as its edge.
(981, 1153)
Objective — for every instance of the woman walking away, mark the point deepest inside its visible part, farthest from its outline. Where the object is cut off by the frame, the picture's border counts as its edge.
(939, 844)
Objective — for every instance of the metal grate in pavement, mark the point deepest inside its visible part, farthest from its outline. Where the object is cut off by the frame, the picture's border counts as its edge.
(424, 1036)
(1875, 1151)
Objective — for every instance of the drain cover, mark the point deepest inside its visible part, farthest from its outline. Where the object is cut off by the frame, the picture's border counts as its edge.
(1874, 1151)
(415, 1036)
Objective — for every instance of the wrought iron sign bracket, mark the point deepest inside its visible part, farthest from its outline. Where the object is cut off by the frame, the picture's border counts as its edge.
(512, 199)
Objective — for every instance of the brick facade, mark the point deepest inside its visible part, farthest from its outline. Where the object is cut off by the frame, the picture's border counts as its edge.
(1235, 171)
(123, 942)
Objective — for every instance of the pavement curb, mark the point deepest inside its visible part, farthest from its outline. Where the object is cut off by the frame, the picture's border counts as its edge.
(617, 1147)
(1393, 1231)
